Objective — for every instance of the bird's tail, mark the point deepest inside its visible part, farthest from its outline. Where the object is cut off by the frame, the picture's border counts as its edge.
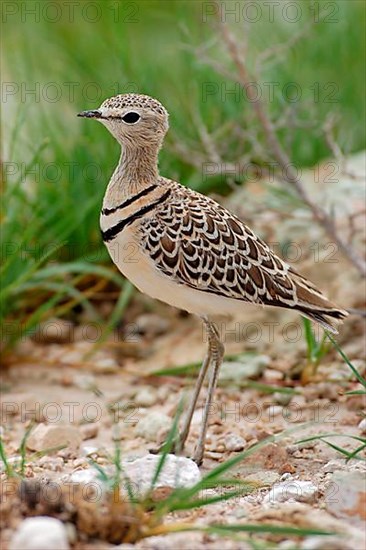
(314, 305)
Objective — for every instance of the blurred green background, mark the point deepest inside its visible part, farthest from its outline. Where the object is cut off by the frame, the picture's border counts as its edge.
(62, 57)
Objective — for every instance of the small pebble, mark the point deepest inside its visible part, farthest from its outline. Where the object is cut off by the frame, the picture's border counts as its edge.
(234, 443)
(67, 454)
(326, 543)
(151, 324)
(287, 469)
(88, 450)
(261, 434)
(152, 424)
(334, 465)
(362, 426)
(213, 455)
(292, 449)
(300, 491)
(273, 376)
(245, 366)
(80, 462)
(101, 460)
(89, 431)
(145, 397)
(107, 365)
(282, 398)
(274, 410)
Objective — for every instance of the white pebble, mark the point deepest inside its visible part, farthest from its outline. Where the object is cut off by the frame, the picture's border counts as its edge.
(106, 365)
(177, 471)
(88, 450)
(145, 397)
(362, 426)
(40, 533)
(245, 366)
(281, 398)
(84, 476)
(234, 443)
(300, 491)
(150, 426)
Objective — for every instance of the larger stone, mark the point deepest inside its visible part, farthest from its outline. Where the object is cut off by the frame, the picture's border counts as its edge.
(150, 426)
(40, 533)
(177, 471)
(52, 436)
(345, 496)
(294, 490)
(245, 366)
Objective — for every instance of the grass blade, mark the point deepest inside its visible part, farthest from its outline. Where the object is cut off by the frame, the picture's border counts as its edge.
(345, 358)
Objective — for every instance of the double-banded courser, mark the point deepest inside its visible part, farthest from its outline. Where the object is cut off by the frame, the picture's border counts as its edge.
(184, 248)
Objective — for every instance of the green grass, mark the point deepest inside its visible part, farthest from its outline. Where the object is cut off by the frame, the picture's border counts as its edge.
(346, 359)
(50, 208)
(347, 454)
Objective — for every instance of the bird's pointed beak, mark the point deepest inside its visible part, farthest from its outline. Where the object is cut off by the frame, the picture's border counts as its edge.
(90, 114)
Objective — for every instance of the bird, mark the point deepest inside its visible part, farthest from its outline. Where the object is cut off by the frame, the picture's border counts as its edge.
(185, 249)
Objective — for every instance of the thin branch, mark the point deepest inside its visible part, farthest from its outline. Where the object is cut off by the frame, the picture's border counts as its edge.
(352, 224)
(206, 140)
(333, 146)
(278, 51)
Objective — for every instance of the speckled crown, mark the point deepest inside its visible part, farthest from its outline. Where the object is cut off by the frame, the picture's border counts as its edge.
(135, 100)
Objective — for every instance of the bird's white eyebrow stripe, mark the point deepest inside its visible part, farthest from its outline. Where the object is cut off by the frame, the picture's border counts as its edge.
(143, 193)
(113, 231)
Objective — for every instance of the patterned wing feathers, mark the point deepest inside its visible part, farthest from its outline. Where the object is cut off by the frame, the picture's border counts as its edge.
(198, 243)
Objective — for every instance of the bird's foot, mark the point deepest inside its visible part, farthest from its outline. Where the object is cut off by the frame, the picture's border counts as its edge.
(198, 455)
(175, 448)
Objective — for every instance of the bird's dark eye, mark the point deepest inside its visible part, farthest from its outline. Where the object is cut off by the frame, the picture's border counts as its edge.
(131, 117)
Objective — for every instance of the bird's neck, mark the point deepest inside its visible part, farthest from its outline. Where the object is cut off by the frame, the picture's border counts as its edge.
(137, 168)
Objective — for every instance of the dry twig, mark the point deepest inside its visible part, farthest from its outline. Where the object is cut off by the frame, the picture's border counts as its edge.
(289, 174)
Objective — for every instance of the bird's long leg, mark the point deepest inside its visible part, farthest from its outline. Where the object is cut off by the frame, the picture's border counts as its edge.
(214, 356)
(217, 353)
(197, 389)
(182, 438)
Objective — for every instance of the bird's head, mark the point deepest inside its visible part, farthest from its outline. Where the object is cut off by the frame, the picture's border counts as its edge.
(135, 120)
